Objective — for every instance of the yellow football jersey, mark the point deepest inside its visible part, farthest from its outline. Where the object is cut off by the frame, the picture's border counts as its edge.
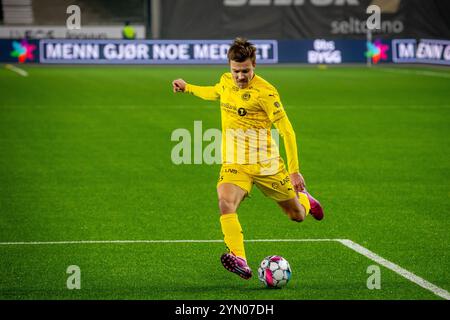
(247, 117)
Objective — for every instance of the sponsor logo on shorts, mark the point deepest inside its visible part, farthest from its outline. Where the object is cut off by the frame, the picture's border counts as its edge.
(231, 171)
(284, 181)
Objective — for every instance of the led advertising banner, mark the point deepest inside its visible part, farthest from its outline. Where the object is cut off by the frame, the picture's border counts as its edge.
(317, 51)
(19, 51)
(422, 51)
(314, 51)
(321, 51)
(147, 51)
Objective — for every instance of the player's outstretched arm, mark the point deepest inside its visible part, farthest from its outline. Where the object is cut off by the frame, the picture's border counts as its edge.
(206, 93)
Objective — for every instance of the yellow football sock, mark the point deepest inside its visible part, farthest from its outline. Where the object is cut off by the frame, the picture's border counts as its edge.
(304, 201)
(233, 236)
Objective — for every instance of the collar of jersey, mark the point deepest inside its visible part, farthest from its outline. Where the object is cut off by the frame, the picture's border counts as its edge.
(249, 84)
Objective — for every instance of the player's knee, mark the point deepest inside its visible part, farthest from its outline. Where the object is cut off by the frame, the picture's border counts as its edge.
(227, 206)
(297, 214)
(297, 218)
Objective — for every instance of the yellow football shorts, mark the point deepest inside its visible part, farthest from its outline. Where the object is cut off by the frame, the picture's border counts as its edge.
(271, 178)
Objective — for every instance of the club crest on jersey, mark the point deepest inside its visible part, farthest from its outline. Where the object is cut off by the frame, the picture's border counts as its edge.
(246, 96)
(242, 112)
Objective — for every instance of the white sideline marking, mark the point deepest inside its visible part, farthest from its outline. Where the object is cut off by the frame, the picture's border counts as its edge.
(417, 72)
(397, 269)
(152, 241)
(103, 242)
(347, 243)
(293, 240)
(22, 72)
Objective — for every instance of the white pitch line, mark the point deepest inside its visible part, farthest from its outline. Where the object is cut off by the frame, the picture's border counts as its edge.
(103, 242)
(396, 268)
(347, 243)
(17, 70)
(417, 72)
(294, 240)
(153, 241)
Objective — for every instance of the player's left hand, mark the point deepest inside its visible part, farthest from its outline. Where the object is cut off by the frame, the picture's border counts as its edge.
(297, 181)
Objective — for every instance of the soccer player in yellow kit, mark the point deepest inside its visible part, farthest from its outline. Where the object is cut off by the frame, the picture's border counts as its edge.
(249, 106)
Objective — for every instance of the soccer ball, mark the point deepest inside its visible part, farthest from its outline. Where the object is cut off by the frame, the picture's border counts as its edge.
(274, 272)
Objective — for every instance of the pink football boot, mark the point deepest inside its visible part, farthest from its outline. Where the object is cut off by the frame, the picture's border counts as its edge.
(236, 265)
(316, 209)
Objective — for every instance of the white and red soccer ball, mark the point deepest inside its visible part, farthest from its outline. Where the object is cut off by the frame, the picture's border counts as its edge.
(274, 272)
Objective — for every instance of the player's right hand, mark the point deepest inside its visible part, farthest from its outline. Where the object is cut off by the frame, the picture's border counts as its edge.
(179, 85)
(298, 182)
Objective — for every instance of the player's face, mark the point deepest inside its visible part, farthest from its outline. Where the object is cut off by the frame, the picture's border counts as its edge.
(242, 72)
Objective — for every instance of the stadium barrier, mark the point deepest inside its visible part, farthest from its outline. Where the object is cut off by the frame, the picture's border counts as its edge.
(62, 32)
(318, 51)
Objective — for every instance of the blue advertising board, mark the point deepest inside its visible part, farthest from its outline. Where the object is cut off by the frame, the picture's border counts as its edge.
(314, 51)
(318, 51)
(147, 51)
(19, 51)
(321, 51)
(421, 51)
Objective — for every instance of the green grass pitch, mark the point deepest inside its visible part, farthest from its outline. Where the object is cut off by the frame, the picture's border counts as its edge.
(85, 154)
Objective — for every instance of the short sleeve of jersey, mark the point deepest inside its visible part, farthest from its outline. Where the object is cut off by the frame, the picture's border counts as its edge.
(271, 103)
